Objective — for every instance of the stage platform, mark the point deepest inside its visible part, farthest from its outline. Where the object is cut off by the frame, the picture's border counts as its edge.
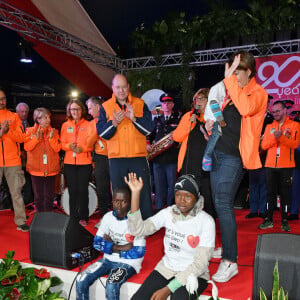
(239, 288)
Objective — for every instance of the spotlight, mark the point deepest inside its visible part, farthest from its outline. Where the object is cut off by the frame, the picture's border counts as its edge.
(25, 58)
(74, 94)
(25, 51)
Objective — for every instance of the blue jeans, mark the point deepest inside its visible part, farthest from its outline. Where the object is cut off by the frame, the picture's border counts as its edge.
(295, 203)
(212, 141)
(164, 182)
(226, 175)
(118, 273)
(257, 191)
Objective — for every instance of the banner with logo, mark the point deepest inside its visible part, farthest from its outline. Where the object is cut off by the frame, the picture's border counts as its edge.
(280, 76)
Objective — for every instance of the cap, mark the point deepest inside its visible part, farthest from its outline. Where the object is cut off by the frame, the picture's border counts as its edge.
(166, 98)
(187, 183)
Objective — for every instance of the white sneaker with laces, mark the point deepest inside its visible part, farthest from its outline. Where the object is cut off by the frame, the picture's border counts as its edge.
(217, 252)
(226, 271)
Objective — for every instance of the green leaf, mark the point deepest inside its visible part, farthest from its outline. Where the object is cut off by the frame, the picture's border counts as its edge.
(275, 289)
(43, 286)
(55, 281)
(262, 295)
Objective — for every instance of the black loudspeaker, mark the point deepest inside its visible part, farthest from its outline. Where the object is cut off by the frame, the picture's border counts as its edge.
(285, 248)
(58, 240)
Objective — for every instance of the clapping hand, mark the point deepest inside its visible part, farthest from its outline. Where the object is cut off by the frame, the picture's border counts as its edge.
(118, 116)
(129, 112)
(4, 128)
(51, 133)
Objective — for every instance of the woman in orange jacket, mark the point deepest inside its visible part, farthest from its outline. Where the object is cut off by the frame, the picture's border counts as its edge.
(77, 161)
(244, 107)
(42, 145)
(193, 137)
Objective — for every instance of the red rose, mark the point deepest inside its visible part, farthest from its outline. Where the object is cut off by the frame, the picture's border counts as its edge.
(42, 273)
(8, 281)
(14, 294)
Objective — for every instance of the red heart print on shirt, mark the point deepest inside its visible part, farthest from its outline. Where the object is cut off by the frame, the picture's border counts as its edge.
(129, 238)
(193, 241)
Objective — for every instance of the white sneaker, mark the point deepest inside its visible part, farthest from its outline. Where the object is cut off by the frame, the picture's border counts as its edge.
(225, 272)
(217, 252)
(98, 224)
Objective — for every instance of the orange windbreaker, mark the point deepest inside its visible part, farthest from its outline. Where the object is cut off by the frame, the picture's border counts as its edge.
(251, 102)
(281, 151)
(181, 135)
(76, 133)
(95, 140)
(42, 154)
(9, 142)
(127, 141)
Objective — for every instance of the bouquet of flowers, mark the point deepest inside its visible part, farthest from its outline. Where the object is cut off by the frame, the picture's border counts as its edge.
(17, 283)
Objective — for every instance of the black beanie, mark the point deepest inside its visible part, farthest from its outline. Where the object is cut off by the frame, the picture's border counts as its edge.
(187, 183)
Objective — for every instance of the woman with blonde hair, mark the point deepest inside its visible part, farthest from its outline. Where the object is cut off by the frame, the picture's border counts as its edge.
(77, 161)
(193, 137)
(42, 145)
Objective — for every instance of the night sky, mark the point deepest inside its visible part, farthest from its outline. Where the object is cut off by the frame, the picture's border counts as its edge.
(115, 20)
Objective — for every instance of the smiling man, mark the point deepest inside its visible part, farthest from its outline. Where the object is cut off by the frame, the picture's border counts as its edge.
(125, 121)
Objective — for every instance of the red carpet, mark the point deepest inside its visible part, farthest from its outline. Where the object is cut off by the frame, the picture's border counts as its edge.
(239, 288)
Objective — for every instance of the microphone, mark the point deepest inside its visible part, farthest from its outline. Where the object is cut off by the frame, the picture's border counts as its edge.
(196, 110)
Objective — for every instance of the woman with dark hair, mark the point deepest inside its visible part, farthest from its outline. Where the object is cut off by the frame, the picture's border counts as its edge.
(77, 161)
(243, 104)
(192, 135)
(42, 145)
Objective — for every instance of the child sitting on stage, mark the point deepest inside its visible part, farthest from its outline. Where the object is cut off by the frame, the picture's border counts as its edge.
(123, 253)
(188, 242)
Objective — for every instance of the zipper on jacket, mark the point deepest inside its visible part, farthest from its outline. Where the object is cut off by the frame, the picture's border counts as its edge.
(3, 153)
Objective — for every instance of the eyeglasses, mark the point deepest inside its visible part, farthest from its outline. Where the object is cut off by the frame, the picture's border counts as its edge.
(201, 98)
(75, 109)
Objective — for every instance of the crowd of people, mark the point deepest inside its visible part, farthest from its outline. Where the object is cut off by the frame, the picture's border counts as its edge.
(181, 172)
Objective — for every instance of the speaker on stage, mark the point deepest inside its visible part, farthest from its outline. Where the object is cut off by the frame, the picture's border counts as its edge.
(284, 248)
(54, 238)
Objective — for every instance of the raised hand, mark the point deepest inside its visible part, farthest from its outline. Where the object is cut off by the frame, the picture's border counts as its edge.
(230, 70)
(135, 184)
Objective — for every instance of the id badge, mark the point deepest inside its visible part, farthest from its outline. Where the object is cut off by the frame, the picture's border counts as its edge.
(44, 159)
(278, 152)
(74, 154)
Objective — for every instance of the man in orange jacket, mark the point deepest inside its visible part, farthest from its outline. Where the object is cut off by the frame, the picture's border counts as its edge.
(11, 134)
(280, 139)
(125, 121)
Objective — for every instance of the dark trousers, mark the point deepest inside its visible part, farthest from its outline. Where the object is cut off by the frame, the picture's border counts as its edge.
(279, 182)
(156, 281)
(77, 179)
(120, 167)
(27, 191)
(43, 188)
(102, 183)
